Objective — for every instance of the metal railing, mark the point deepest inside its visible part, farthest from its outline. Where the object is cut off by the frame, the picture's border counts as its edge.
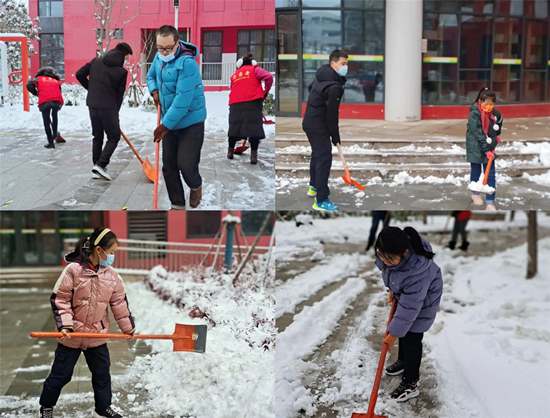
(213, 73)
(138, 256)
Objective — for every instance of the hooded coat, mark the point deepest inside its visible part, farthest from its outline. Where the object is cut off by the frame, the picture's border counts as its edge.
(54, 99)
(105, 79)
(81, 298)
(476, 140)
(417, 285)
(179, 83)
(323, 103)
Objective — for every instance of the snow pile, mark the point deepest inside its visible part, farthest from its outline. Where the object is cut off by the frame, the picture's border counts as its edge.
(542, 179)
(231, 219)
(235, 377)
(133, 120)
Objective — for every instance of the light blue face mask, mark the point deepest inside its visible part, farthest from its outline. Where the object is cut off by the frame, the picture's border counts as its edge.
(110, 259)
(343, 70)
(167, 58)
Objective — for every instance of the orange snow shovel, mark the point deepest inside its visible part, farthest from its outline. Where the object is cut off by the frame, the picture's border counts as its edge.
(347, 178)
(157, 152)
(374, 394)
(148, 168)
(483, 188)
(185, 338)
(268, 121)
(241, 149)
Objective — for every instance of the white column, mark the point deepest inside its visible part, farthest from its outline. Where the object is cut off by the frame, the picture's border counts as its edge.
(403, 78)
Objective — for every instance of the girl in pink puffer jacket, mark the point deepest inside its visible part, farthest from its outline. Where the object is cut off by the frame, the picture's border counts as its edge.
(80, 301)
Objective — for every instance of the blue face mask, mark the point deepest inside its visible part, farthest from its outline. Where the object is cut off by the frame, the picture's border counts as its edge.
(110, 259)
(167, 58)
(343, 70)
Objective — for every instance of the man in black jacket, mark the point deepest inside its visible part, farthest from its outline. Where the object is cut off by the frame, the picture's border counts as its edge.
(321, 125)
(105, 79)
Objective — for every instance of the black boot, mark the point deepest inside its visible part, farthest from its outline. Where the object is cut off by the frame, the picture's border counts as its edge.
(451, 245)
(230, 153)
(108, 413)
(464, 246)
(46, 412)
(49, 145)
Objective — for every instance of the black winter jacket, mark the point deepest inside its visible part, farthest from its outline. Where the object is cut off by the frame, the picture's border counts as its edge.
(323, 104)
(105, 79)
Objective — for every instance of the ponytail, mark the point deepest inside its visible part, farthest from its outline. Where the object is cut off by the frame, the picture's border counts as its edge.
(416, 243)
(101, 237)
(485, 93)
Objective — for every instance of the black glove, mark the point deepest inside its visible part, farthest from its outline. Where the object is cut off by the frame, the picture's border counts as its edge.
(336, 140)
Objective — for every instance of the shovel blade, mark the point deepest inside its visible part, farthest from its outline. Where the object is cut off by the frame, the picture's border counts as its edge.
(359, 186)
(149, 170)
(241, 149)
(356, 415)
(194, 340)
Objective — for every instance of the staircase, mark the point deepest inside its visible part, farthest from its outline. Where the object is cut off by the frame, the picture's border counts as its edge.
(368, 158)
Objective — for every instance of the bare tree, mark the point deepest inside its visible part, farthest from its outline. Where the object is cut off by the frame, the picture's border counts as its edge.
(532, 244)
(107, 25)
(145, 45)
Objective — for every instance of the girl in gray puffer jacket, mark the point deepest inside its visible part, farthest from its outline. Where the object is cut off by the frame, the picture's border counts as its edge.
(414, 280)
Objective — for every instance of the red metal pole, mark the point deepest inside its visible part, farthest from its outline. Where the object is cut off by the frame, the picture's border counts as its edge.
(25, 68)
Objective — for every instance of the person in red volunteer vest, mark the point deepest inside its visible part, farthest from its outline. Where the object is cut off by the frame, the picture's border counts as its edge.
(461, 220)
(47, 86)
(246, 105)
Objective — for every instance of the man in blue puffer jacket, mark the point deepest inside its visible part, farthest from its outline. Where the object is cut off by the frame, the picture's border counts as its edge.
(414, 279)
(175, 83)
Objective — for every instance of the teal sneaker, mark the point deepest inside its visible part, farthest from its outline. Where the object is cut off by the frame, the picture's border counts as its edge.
(327, 205)
(312, 191)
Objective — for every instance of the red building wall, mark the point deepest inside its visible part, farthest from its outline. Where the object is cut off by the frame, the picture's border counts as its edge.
(197, 15)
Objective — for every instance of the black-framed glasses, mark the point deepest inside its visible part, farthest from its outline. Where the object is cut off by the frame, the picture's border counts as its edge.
(169, 49)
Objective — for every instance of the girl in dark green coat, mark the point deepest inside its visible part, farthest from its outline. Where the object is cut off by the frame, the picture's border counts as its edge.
(482, 137)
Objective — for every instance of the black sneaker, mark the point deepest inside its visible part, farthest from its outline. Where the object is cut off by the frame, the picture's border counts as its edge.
(48, 145)
(451, 245)
(106, 413)
(46, 412)
(396, 368)
(405, 391)
(465, 245)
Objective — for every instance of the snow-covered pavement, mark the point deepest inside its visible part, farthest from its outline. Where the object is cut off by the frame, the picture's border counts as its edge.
(487, 355)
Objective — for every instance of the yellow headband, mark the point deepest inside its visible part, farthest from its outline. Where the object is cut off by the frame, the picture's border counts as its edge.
(105, 231)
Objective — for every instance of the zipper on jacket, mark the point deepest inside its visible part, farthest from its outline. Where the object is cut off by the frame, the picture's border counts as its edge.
(103, 326)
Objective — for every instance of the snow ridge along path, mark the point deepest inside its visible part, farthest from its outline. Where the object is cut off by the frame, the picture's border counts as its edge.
(303, 286)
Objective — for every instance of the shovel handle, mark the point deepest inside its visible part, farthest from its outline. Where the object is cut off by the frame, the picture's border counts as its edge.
(117, 336)
(131, 146)
(487, 171)
(157, 151)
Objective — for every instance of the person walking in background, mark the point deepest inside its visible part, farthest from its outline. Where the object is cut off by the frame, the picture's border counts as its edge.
(461, 220)
(408, 270)
(320, 124)
(175, 83)
(482, 137)
(377, 216)
(47, 86)
(246, 105)
(80, 300)
(105, 79)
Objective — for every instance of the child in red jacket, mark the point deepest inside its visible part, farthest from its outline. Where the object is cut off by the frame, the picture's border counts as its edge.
(47, 86)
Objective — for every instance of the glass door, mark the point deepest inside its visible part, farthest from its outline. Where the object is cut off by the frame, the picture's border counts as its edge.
(289, 67)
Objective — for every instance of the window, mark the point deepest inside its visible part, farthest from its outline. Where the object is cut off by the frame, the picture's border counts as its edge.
(471, 82)
(147, 226)
(509, 7)
(441, 5)
(536, 8)
(321, 3)
(212, 55)
(536, 44)
(477, 6)
(476, 43)
(533, 86)
(252, 221)
(439, 83)
(203, 224)
(117, 34)
(259, 42)
(52, 52)
(53, 8)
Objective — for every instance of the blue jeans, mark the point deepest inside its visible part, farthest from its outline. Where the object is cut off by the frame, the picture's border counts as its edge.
(491, 181)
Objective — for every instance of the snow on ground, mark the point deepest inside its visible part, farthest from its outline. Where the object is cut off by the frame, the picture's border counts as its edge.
(235, 376)
(487, 355)
(76, 119)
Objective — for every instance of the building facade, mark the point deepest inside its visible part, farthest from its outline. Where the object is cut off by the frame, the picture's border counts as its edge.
(223, 30)
(417, 59)
(35, 238)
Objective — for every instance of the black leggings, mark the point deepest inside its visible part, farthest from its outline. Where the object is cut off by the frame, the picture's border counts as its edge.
(46, 119)
(410, 352)
(254, 142)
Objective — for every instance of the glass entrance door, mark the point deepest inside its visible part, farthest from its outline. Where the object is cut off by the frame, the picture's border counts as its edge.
(289, 71)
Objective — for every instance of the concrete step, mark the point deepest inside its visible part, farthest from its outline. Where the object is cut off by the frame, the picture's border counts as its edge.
(398, 157)
(392, 143)
(369, 171)
(17, 275)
